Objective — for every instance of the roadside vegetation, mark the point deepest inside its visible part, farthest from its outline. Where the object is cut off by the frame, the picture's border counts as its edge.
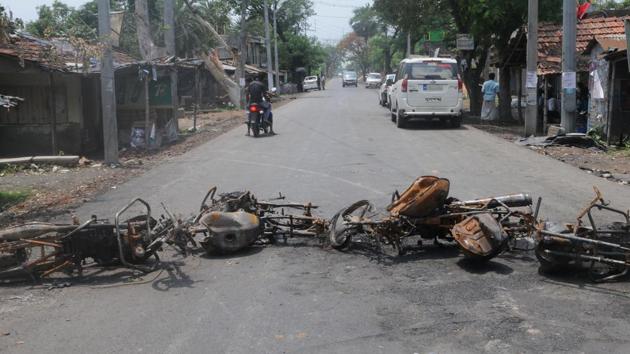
(9, 198)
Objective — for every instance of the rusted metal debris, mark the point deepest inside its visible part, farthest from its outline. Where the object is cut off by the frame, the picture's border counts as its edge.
(229, 222)
(603, 250)
(482, 228)
(37, 250)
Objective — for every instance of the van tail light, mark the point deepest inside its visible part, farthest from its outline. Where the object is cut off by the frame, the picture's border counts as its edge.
(404, 85)
(460, 84)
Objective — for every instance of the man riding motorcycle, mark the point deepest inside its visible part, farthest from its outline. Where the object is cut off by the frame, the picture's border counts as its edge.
(258, 95)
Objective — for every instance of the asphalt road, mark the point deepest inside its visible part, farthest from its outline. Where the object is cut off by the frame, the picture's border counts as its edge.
(335, 147)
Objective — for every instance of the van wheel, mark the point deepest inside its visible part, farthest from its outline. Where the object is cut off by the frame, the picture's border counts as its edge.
(400, 120)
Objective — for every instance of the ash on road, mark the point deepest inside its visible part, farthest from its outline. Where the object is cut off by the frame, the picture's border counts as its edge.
(335, 147)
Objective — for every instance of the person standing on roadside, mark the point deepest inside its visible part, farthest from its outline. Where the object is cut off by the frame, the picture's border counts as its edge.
(490, 89)
(323, 82)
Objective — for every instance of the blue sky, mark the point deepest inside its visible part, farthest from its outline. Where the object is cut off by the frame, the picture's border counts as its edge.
(330, 23)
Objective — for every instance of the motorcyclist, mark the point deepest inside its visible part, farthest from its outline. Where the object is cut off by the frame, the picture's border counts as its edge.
(256, 91)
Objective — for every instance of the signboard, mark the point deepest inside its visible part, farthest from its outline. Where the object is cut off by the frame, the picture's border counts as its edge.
(627, 23)
(465, 42)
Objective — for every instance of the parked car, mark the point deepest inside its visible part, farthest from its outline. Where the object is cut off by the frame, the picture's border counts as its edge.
(384, 92)
(427, 88)
(310, 83)
(349, 79)
(373, 80)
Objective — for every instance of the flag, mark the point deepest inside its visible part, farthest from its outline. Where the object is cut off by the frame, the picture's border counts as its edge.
(582, 9)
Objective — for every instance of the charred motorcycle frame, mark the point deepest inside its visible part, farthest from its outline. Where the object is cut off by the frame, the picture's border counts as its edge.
(482, 227)
(39, 249)
(604, 250)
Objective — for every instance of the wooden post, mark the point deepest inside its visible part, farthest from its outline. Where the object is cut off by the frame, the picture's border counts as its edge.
(520, 95)
(196, 100)
(147, 112)
(545, 105)
(53, 115)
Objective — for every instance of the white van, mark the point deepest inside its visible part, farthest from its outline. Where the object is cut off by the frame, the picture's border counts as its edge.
(427, 88)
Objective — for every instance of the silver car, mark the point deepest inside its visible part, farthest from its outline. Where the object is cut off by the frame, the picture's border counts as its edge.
(373, 80)
(385, 91)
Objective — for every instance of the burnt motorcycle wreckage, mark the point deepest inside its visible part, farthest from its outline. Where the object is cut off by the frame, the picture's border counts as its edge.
(482, 228)
(38, 249)
(602, 249)
(230, 222)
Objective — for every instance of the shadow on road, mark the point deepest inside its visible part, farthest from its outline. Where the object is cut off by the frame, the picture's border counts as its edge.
(579, 279)
(420, 125)
(248, 251)
(476, 267)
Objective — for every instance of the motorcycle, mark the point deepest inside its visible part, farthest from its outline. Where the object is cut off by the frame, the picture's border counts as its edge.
(482, 228)
(38, 249)
(260, 117)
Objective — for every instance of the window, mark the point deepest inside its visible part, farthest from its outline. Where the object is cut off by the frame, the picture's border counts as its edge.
(431, 70)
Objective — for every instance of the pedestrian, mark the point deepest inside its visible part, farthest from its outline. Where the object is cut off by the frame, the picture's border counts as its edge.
(323, 82)
(490, 89)
(319, 82)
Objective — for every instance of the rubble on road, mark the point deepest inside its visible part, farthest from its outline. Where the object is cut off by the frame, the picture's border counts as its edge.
(229, 222)
(574, 139)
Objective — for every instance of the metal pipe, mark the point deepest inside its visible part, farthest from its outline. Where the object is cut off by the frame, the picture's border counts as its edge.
(119, 234)
(583, 239)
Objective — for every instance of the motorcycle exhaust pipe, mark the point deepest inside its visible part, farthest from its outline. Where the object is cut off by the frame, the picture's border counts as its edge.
(511, 200)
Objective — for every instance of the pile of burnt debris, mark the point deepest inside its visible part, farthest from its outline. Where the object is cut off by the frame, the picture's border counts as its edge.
(228, 222)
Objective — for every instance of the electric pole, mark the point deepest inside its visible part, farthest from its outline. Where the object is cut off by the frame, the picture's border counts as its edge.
(108, 91)
(242, 49)
(268, 47)
(569, 84)
(531, 115)
(169, 41)
(275, 44)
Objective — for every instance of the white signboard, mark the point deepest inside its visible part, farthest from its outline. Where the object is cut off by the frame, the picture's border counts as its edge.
(569, 81)
(465, 42)
(532, 79)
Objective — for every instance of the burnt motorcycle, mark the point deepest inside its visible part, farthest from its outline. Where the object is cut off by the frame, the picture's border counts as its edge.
(482, 228)
(233, 221)
(602, 248)
(38, 249)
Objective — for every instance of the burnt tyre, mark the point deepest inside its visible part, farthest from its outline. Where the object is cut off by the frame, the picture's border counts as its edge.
(340, 234)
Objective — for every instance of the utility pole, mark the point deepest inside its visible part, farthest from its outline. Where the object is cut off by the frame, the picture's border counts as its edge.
(275, 44)
(242, 48)
(108, 92)
(408, 44)
(169, 41)
(531, 115)
(569, 84)
(268, 47)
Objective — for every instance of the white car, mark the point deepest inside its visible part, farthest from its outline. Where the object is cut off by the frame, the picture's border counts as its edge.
(310, 83)
(373, 80)
(385, 91)
(427, 88)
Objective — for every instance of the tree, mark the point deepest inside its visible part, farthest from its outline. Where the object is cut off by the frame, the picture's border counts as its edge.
(8, 25)
(301, 51)
(355, 49)
(365, 22)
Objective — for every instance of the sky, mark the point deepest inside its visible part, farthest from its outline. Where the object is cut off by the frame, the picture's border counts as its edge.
(329, 24)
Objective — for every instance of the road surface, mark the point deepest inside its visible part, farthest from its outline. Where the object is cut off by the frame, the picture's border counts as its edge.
(335, 147)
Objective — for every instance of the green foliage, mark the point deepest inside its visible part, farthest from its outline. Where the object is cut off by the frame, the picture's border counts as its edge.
(8, 198)
(191, 36)
(365, 21)
(301, 51)
(61, 20)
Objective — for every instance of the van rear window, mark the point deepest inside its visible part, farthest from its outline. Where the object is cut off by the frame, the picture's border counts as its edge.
(431, 70)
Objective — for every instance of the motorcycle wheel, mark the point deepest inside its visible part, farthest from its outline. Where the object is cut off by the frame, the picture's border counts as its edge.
(256, 129)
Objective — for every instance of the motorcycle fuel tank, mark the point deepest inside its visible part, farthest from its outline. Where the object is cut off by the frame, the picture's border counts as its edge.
(230, 231)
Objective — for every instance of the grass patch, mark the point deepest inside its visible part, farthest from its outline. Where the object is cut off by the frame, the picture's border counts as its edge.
(13, 197)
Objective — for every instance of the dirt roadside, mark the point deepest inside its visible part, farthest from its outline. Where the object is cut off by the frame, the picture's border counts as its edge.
(613, 164)
(52, 191)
